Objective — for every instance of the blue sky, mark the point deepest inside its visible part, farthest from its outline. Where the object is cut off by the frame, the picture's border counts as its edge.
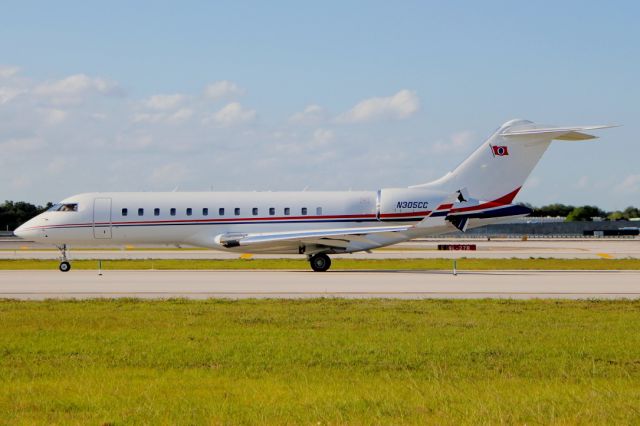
(331, 95)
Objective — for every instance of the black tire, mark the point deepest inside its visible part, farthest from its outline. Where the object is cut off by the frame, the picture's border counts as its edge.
(64, 266)
(320, 262)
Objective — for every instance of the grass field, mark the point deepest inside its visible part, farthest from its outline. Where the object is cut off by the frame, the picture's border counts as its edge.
(338, 264)
(320, 361)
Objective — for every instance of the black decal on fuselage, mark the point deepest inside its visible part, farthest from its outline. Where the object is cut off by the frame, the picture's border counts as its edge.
(412, 204)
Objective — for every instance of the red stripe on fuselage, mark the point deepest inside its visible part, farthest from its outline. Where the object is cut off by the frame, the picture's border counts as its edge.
(215, 221)
(502, 201)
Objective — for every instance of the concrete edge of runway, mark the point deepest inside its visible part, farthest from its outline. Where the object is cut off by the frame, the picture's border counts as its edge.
(45, 284)
(289, 296)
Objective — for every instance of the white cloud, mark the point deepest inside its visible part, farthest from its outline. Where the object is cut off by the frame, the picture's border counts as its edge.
(180, 116)
(316, 147)
(75, 88)
(7, 71)
(322, 137)
(223, 89)
(312, 114)
(20, 182)
(7, 94)
(169, 174)
(582, 183)
(133, 142)
(164, 102)
(397, 107)
(533, 182)
(458, 142)
(146, 117)
(54, 116)
(232, 115)
(630, 185)
(16, 145)
(74, 84)
(58, 165)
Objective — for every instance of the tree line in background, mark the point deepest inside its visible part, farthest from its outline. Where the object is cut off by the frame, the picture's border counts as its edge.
(14, 214)
(582, 213)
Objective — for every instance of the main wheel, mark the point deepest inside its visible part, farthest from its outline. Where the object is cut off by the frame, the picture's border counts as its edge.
(320, 262)
(65, 266)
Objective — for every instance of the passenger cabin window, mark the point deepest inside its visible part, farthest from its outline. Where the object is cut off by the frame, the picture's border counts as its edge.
(221, 212)
(140, 212)
(254, 211)
(125, 212)
(172, 211)
(236, 211)
(156, 212)
(189, 211)
(303, 211)
(205, 212)
(287, 211)
(318, 211)
(66, 207)
(272, 211)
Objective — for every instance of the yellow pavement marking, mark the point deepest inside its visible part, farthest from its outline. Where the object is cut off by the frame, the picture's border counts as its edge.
(605, 255)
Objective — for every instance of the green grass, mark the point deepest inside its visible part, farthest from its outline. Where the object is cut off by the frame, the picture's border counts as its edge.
(320, 361)
(338, 264)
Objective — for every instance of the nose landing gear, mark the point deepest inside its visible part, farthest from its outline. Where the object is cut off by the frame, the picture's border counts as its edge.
(320, 262)
(65, 266)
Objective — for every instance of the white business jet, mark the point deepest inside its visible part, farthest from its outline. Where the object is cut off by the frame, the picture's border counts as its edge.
(479, 191)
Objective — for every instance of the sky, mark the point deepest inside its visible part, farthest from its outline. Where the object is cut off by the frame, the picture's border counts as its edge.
(332, 95)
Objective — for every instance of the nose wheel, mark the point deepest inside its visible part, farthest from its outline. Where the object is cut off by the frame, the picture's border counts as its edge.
(65, 266)
(320, 262)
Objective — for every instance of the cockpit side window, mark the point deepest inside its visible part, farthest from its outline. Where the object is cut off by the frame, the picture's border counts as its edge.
(64, 207)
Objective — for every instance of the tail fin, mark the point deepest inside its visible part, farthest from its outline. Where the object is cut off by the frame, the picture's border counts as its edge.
(499, 167)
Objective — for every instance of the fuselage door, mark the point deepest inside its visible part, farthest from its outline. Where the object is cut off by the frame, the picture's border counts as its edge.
(102, 218)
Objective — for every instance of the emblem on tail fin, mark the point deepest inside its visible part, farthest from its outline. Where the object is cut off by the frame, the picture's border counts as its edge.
(499, 150)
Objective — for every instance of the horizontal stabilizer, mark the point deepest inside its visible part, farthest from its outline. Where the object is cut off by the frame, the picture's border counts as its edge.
(575, 133)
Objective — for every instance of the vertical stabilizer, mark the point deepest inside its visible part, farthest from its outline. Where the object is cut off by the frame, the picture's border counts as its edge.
(499, 167)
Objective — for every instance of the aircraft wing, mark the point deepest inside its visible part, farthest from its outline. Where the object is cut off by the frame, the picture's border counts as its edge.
(339, 237)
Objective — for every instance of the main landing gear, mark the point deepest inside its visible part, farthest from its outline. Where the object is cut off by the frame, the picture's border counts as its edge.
(320, 262)
(65, 266)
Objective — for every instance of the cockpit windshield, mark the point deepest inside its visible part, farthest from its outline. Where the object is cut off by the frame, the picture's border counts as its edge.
(64, 207)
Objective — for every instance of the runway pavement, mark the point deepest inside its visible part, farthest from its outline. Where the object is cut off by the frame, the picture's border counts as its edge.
(13, 248)
(40, 285)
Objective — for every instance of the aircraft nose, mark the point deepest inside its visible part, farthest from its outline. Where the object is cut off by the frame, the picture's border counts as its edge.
(26, 230)
(21, 232)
